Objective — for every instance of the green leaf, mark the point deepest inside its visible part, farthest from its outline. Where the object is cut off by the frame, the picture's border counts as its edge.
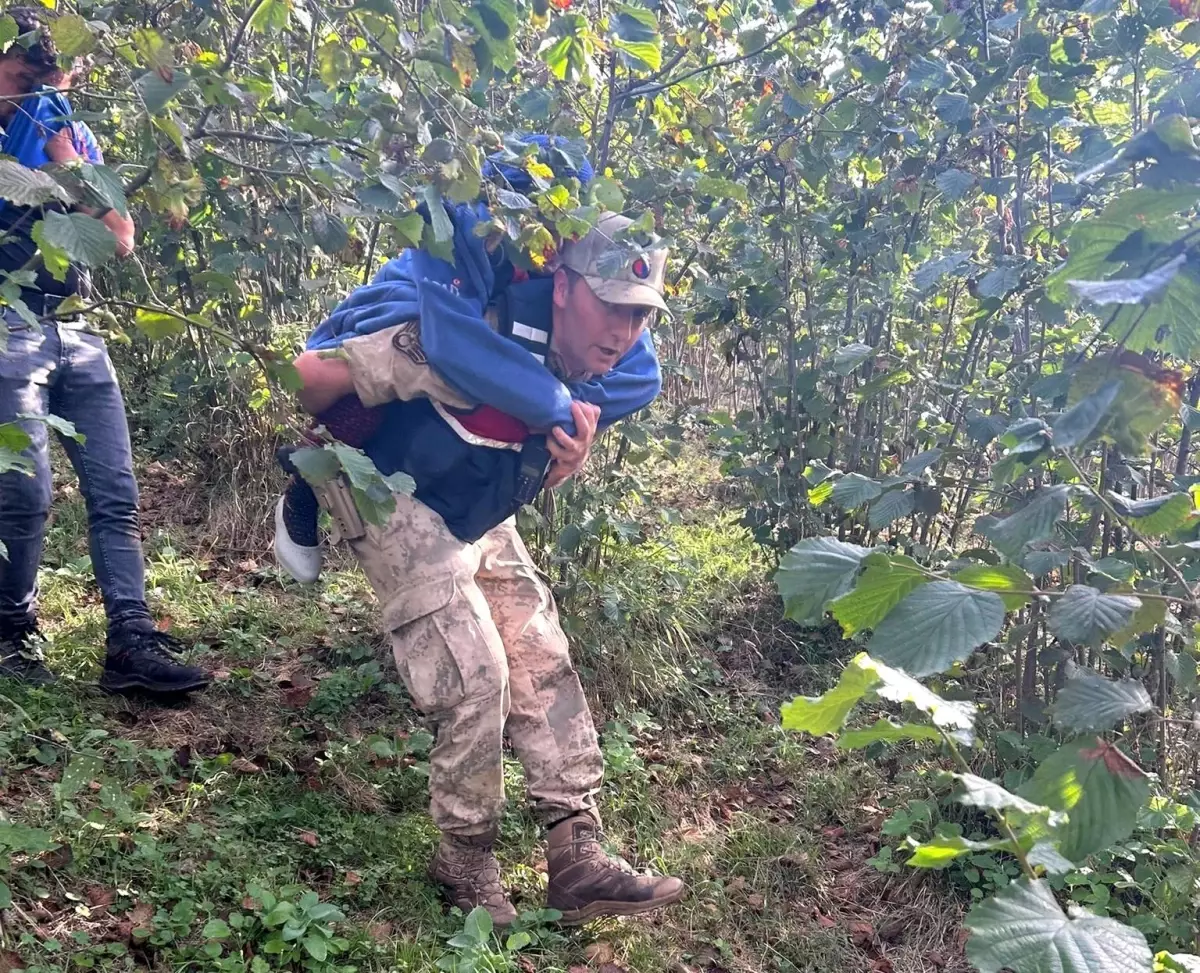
(1101, 790)
(1147, 399)
(916, 465)
(72, 35)
(1004, 579)
(54, 257)
(1000, 282)
(1086, 616)
(937, 625)
(316, 464)
(1158, 515)
(442, 228)
(854, 489)
(981, 792)
(1023, 929)
(156, 92)
(819, 715)
(478, 925)
(890, 507)
(1170, 324)
(271, 16)
(813, 573)
(1044, 853)
(885, 731)
(216, 929)
(316, 947)
(882, 586)
(944, 850)
(81, 771)
(1090, 702)
(1075, 426)
(636, 34)
(1130, 290)
(84, 239)
(849, 357)
(1033, 522)
(29, 187)
(899, 687)
(64, 427)
(158, 324)
(329, 232)
(930, 272)
(1092, 241)
(718, 188)
(954, 183)
(410, 227)
(6, 899)
(1177, 963)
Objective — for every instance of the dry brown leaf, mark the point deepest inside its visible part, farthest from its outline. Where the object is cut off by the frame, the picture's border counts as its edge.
(381, 932)
(99, 897)
(599, 953)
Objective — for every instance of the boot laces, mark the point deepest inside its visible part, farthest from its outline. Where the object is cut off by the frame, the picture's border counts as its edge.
(158, 644)
(590, 844)
(24, 640)
(475, 870)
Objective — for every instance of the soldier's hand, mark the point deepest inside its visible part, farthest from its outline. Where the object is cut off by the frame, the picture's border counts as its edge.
(570, 453)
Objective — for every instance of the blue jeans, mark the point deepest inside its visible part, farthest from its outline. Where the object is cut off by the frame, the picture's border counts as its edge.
(67, 372)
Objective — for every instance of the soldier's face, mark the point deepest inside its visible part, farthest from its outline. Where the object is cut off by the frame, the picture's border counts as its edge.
(17, 77)
(592, 335)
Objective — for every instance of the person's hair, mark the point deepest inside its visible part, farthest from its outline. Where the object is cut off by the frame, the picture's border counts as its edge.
(41, 54)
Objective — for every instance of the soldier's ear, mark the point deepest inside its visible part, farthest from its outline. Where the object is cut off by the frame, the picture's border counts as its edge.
(562, 288)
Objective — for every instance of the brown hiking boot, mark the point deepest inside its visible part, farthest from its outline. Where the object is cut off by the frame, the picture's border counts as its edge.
(468, 870)
(586, 883)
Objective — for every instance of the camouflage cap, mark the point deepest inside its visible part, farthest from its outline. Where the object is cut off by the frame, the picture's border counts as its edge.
(638, 280)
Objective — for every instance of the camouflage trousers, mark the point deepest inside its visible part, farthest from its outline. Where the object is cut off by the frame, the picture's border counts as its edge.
(476, 638)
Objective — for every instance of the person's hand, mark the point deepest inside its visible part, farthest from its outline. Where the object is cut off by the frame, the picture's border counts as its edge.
(571, 453)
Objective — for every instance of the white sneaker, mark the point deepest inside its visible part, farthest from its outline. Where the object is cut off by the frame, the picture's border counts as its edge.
(302, 563)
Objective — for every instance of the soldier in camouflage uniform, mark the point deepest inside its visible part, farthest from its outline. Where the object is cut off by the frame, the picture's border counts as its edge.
(474, 631)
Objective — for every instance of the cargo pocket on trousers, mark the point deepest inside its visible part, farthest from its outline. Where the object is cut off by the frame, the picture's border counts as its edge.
(425, 657)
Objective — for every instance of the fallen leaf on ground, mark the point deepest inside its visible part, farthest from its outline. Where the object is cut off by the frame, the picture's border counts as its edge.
(99, 897)
(599, 953)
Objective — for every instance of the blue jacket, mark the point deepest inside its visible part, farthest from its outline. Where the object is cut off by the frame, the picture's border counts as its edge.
(475, 487)
(38, 118)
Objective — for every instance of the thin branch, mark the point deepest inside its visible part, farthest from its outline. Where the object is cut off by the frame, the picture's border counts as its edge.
(811, 16)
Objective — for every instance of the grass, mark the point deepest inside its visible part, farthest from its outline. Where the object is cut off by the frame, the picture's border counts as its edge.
(302, 770)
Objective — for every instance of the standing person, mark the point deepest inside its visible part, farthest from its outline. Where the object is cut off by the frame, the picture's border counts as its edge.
(62, 369)
(474, 631)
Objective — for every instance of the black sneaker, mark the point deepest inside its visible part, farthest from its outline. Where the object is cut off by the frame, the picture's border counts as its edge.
(21, 655)
(145, 658)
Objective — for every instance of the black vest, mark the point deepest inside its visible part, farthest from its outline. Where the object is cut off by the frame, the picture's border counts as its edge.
(474, 484)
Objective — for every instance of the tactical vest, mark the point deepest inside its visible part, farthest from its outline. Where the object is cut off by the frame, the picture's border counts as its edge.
(475, 468)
